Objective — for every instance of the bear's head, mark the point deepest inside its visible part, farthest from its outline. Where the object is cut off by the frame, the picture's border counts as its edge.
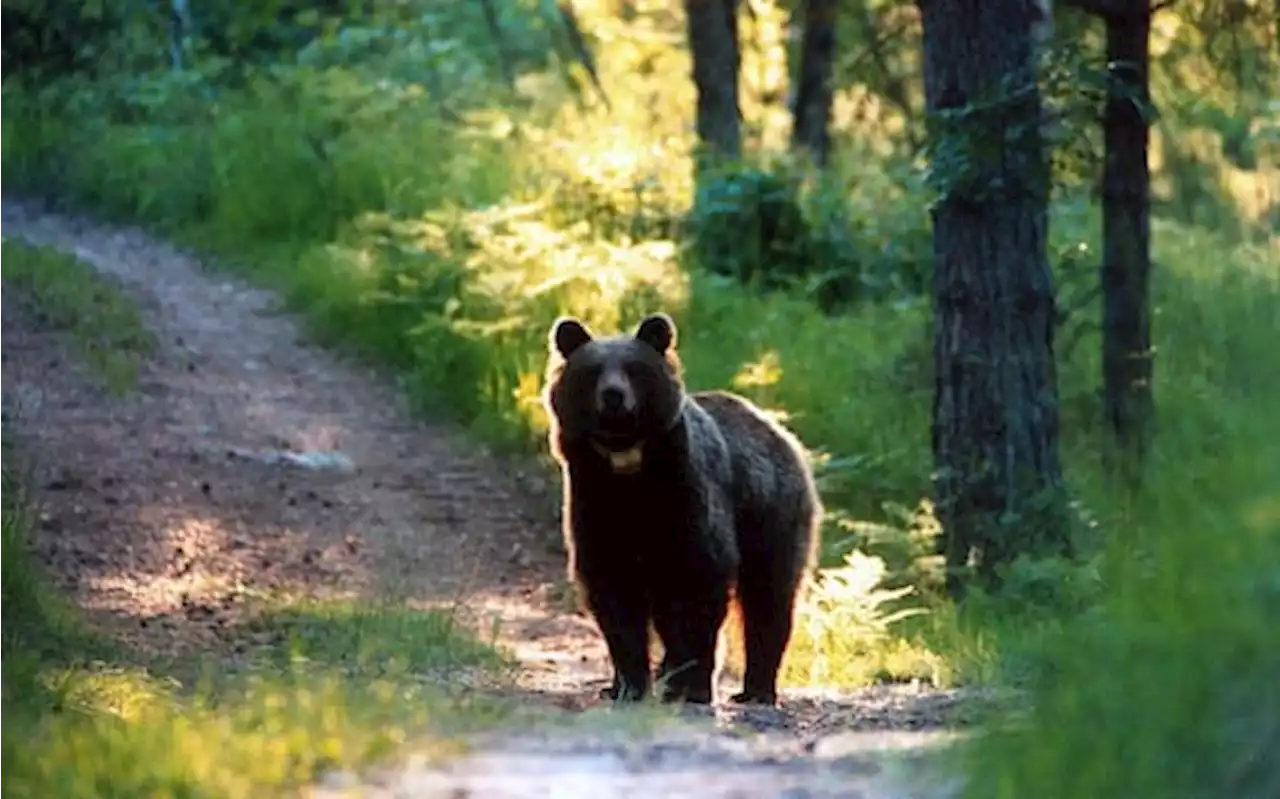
(614, 393)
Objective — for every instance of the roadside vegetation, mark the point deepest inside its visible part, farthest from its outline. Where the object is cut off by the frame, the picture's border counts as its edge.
(319, 685)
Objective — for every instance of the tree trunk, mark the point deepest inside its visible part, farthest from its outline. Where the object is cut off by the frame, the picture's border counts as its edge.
(811, 112)
(998, 477)
(713, 41)
(1127, 355)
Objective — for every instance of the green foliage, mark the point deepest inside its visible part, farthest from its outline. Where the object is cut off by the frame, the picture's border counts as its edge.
(748, 225)
(48, 38)
(766, 230)
(988, 147)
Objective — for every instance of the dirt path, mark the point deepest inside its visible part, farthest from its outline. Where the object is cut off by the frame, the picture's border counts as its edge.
(167, 513)
(169, 508)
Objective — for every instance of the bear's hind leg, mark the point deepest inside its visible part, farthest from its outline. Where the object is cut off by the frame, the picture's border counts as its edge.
(624, 622)
(690, 633)
(767, 599)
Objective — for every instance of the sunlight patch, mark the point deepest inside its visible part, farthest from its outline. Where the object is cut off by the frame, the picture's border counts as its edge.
(844, 630)
(763, 372)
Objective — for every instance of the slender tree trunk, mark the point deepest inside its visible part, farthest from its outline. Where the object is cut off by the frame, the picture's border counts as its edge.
(499, 41)
(811, 112)
(179, 29)
(713, 41)
(1127, 355)
(998, 476)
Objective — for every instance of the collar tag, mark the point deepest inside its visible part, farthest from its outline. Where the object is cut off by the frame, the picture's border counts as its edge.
(627, 461)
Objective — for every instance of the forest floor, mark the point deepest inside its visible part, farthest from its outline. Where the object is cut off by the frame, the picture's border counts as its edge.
(171, 512)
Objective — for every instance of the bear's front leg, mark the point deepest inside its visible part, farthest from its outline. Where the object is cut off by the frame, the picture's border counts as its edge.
(624, 622)
(689, 627)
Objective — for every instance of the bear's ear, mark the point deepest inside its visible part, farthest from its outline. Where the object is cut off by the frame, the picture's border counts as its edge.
(568, 334)
(658, 331)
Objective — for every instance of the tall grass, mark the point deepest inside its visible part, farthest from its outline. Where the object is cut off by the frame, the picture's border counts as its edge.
(1168, 687)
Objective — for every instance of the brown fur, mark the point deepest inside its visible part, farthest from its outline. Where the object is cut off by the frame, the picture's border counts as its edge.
(673, 503)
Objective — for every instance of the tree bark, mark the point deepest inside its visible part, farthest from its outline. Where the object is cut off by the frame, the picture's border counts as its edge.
(713, 42)
(998, 475)
(1127, 354)
(811, 112)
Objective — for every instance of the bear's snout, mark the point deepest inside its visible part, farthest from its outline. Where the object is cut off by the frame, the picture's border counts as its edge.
(614, 397)
(612, 400)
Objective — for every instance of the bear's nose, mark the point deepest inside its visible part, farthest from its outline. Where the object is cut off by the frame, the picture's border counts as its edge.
(612, 399)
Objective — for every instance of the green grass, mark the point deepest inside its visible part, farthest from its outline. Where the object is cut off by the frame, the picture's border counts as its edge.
(70, 296)
(442, 251)
(38, 624)
(372, 639)
(1168, 687)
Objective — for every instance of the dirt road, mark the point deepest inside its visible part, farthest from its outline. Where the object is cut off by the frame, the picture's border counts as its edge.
(249, 462)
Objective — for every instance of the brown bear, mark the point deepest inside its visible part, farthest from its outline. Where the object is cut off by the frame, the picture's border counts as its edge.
(675, 503)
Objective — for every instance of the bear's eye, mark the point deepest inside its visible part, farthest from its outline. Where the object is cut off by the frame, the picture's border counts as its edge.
(638, 373)
(588, 375)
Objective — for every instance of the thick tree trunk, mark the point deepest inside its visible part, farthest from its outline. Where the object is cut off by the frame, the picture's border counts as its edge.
(998, 477)
(811, 111)
(713, 41)
(1127, 355)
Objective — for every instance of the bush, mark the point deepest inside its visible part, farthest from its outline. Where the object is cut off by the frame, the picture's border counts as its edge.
(760, 227)
(747, 224)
